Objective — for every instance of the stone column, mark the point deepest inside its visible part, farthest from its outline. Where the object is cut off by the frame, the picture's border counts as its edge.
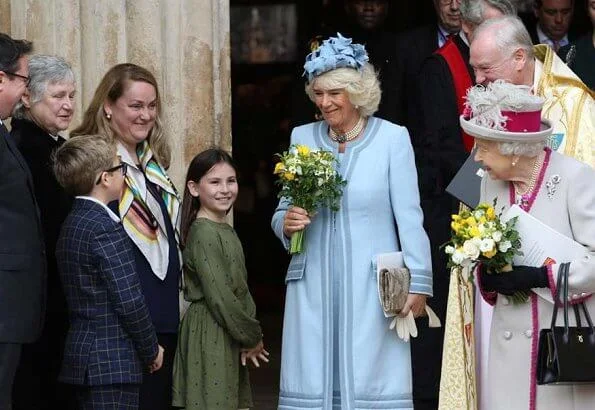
(185, 43)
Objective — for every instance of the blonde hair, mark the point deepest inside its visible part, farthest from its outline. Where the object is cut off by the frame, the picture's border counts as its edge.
(111, 87)
(80, 159)
(362, 87)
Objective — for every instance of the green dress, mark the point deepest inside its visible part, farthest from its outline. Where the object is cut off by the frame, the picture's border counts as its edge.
(220, 321)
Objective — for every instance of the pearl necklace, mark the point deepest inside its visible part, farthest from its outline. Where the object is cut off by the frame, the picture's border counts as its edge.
(532, 180)
(349, 135)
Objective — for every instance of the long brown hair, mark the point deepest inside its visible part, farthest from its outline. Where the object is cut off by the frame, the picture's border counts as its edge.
(200, 165)
(111, 87)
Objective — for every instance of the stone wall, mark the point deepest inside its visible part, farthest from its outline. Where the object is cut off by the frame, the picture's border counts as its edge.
(185, 43)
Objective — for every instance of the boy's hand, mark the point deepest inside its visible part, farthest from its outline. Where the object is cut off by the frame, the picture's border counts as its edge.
(158, 362)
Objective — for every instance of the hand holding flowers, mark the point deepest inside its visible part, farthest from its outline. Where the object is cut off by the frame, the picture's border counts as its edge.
(481, 236)
(309, 180)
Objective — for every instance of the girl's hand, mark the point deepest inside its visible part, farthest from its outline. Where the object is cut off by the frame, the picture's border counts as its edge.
(295, 219)
(256, 353)
(416, 303)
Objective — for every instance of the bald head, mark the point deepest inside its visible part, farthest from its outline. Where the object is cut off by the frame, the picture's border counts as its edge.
(501, 49)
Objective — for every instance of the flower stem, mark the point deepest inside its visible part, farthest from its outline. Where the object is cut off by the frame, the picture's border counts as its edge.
(297, 242)
(520, 297)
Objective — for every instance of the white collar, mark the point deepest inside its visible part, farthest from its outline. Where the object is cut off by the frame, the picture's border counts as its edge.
(464, 37)
(111, 213)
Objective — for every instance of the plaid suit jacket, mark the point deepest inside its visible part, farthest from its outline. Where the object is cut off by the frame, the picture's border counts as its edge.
(111, 336)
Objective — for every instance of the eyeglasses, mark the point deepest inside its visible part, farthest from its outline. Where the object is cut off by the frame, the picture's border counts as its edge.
(24, 77)
(122, 166)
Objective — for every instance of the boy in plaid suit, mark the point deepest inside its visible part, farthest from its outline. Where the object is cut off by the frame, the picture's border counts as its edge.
(111, 337)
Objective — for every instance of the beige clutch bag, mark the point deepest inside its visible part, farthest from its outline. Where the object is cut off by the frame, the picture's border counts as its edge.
(394, 289)
(393, 281)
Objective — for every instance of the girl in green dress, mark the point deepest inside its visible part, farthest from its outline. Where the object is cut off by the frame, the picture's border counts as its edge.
(219, 331)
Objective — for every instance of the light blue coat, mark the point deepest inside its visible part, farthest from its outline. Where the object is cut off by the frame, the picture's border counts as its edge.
(338, 352)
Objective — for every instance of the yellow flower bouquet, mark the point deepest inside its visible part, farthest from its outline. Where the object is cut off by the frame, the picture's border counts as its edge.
(481, 236)
(309, 180)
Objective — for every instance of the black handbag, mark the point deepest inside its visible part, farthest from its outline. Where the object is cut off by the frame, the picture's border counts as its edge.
(566, 354)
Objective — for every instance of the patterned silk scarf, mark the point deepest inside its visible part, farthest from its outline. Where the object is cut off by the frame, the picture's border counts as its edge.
(141, 213)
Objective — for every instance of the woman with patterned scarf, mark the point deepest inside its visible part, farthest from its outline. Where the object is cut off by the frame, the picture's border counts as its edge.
(126, 106)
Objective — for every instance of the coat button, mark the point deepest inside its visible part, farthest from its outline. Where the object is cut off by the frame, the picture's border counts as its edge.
(505, 301)
(507, 335)
(528, 333)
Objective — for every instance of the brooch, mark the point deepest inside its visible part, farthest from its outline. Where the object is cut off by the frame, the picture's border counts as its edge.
(552, 185)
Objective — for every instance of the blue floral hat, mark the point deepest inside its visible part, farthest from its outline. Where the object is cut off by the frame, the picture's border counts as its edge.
(336, 52)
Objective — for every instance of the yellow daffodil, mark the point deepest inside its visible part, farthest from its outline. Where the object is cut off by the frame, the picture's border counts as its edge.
(303, 150)
(490, 254)
(455, 217)
(455, 227)
(471, 221)
(279, 168)
(288, 176)
(491, 214)
(474, 232)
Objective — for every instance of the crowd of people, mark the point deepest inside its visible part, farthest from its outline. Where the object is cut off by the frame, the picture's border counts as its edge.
(118, 292)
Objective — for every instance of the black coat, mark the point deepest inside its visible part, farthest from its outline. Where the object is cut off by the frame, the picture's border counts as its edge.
(22, 259)
(35, 385)
(37, 146)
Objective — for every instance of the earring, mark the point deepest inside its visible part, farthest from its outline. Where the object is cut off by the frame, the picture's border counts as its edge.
(108, 116)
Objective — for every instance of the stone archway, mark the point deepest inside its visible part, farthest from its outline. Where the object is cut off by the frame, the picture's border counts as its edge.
(185, 43)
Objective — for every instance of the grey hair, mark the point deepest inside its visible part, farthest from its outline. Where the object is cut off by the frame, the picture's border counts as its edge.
(509, 34)
(43, 71)
(472, 10)
(362, 87)
(522, 149)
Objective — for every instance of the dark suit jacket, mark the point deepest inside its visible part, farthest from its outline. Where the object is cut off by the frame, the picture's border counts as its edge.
(111, 336)
(22, 254)
(413, 47)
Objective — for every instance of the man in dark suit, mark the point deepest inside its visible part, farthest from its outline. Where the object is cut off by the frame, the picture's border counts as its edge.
(553, 21)
(413, 47)
(442, 148)
(22, 259)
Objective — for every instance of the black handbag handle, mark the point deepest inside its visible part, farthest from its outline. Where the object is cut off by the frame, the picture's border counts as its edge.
(557, 299)
(562, 291)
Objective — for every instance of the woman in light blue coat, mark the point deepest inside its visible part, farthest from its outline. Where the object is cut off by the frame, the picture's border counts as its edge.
(338, 351)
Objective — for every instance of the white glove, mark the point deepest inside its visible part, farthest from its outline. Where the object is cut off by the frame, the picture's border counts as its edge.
(406, 327)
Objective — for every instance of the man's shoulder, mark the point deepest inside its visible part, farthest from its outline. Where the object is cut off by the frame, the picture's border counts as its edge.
(425, 32)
